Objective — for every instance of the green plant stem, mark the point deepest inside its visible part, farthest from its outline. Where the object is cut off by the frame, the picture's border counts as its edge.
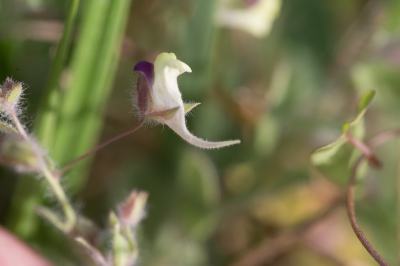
(62, 198)
(353, 218)
(48, 113)
(20, 127)
(28, 194)
(95, 149)
(50, 178)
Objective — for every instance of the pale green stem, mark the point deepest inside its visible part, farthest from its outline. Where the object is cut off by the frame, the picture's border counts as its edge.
(18, 124)
(48, 112)
(62, 198)
(50, 178)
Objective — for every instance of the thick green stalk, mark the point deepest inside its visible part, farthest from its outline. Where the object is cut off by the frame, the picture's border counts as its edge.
(74, 104)
(105, 73)
(46, 122)
(88, 118)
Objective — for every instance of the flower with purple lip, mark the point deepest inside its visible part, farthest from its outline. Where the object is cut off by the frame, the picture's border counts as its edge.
(158, 98)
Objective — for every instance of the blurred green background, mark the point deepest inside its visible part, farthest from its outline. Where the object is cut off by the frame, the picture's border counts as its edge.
(283, 94)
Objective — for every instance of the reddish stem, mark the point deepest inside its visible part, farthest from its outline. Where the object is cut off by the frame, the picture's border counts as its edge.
(95, 149)
(383, 137)
(365, 150)
(353, 219)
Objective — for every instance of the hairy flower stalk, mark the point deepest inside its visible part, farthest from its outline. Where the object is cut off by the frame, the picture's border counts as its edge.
(20, 151)
(158, 98)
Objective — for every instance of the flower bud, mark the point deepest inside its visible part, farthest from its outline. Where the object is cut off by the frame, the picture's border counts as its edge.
(124, 250)
(10, 92)
(19, 153)
(121, 250)
(132, 210)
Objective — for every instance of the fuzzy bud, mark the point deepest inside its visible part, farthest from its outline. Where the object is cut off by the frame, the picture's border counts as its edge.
(10, 92)
(124, 250)
(19, 153)
(131, 212)
(121, 250)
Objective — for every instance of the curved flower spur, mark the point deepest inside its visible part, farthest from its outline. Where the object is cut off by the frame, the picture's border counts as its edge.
(158, 98)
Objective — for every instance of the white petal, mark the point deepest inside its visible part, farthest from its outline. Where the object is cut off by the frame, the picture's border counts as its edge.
(177, 124)
(165, 93)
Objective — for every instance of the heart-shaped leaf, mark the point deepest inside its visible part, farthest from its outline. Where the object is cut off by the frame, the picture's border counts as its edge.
(335, 159)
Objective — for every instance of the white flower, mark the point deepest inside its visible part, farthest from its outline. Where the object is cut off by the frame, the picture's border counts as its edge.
(158, 98)
(256, 18)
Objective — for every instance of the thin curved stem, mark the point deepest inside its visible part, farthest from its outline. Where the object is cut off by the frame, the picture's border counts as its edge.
(69, 212)
(353, 219)
(383, 137)
(95, 149)
(365, 150)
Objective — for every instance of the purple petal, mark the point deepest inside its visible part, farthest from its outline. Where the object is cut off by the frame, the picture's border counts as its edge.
(147, 69)
(143, 86)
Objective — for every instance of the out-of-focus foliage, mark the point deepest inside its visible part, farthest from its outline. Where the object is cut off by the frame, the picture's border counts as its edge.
(283, 95)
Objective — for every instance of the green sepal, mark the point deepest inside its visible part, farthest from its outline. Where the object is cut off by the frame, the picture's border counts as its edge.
(121, 247)
(189, 106)
(167, 114)
(14, 93)
(113, 219)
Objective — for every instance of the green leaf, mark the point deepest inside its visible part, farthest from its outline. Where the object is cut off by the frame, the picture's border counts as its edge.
(335, 159)
(365, 100)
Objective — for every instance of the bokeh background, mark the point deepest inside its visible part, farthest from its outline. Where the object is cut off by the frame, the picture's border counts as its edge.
(283, 92)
